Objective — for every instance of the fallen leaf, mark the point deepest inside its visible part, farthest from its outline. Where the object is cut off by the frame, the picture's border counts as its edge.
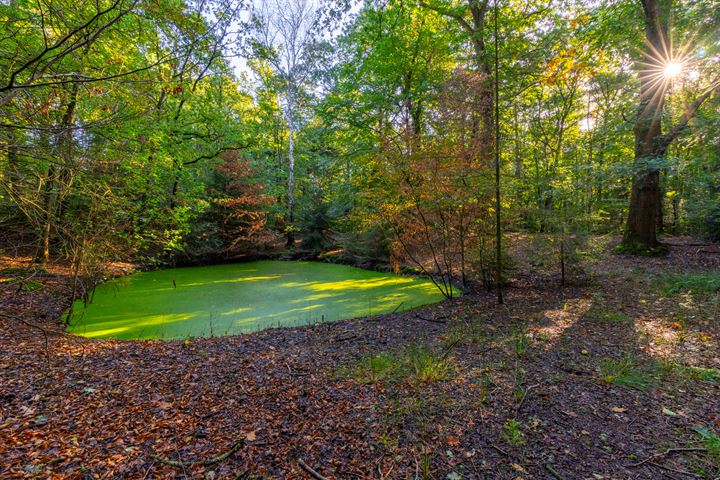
(452, 441)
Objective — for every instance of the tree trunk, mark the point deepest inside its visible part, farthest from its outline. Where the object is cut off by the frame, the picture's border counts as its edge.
(53, 184)
(641, 227)
(291, 179)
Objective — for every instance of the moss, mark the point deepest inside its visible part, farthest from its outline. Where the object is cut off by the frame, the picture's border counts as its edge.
(641, 250)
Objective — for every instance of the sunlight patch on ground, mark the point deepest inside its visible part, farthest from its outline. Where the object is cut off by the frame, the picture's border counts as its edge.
(679, 328)
(551, 324)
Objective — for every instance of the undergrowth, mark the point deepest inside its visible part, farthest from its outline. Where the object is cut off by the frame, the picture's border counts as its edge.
(416, 363)
(692, 283)
(628, 371)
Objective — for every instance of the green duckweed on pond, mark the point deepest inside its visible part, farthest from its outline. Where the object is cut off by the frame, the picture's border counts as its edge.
(242, 298)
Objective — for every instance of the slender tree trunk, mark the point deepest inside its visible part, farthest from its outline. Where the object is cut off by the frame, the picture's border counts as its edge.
(496, 145)
(55, 176)
(291, 177)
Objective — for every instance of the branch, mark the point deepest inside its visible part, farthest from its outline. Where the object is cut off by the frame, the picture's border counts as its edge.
(664, 454)
(214, 155)
(309, 470)
(449, 13)
(689, 114)
(58, 44)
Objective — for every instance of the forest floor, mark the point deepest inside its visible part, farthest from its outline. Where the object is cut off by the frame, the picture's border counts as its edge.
(616, 378)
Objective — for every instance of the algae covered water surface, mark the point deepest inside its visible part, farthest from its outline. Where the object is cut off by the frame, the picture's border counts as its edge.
(241, 298)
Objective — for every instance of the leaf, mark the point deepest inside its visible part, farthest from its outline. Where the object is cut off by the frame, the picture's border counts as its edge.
(452, 441)
(669, 412)
(250, 436)
(619, 409)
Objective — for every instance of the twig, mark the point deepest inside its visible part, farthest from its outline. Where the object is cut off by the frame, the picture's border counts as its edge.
(431, 320)
(553, 472)
(309, 470)
(681, 472)
(499, 449)
(345, 338)
(522, 400)
(449, 349)
(398, 307)
(205, 463)
(295, 373)
(666, 452)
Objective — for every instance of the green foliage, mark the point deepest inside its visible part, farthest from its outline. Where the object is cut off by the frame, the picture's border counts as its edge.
(375, 368)
(512, 433)
(711, 441)
(697, 283)
(427, 366)
(117, 135)
(31, 286)
(521, 342)
(315, 222)
(371, 245)
(689, 373)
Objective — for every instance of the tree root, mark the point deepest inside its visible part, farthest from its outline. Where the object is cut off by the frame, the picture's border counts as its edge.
(179, 464)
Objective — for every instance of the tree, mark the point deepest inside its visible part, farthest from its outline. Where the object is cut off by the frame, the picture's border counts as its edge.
(284, 36)
(660, 64)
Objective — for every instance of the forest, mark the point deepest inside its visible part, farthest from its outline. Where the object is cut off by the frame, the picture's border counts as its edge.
(374, 239)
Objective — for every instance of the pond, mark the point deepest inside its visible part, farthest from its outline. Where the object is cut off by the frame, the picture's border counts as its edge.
(241, 298)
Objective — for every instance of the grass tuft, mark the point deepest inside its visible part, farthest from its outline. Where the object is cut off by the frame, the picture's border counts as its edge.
(604, 315)
(417, 364)
(691, 283)
(626, 372)
(711, 442)
(375, 368)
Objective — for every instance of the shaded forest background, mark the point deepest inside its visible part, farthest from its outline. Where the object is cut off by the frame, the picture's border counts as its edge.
(128, 131)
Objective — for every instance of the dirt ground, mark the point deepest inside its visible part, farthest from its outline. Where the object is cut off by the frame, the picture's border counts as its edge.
(610, 378)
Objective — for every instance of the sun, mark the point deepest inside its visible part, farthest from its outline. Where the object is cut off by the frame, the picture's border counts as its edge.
(672, 70)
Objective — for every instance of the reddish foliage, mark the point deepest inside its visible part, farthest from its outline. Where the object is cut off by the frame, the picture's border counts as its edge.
(243, 204)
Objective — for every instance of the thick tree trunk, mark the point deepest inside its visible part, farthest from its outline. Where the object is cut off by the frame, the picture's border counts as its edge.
(641, 227)
(640, 230)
